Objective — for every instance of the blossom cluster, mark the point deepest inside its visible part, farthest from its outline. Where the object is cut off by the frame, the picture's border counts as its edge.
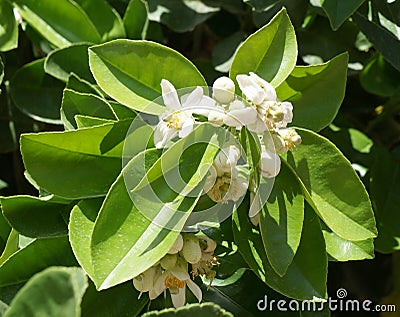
(261, 112)
(171, 272)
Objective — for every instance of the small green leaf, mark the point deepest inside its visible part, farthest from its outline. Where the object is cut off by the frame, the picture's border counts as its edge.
(37, 94)
(88, 122)
(56, 291)
(135, 19)
(62, 62)
(8, 27)
(332, 187)
(62, 22)
(90, 157)
(35, 217)
(339, 11)
(118, 68)
(271, 52)
(194, 310)
(34, 257)
(74, 103)
(281, 221)
(384, 41)
(316, 92)
(305, 276)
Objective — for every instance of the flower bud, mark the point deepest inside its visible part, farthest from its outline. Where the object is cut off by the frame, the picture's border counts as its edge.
(191, 250)
(291, 138)
(207, 245)
(270, 164)
(177, 245)
(224, 90)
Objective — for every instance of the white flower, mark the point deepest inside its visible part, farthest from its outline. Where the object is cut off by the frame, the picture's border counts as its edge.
(176, 280)
(290, 137)
(223, 183)
(178, 244)
(270, 164)
(191, 250)
(224, 90)
(145, 281)
(272, 113)
(282, 140)
(178, 118)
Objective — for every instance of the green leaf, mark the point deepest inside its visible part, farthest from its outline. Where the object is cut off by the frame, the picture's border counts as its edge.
(385, 193)
(87, 122)
(316, 92)
(36, 256)
(305, 276)
(12, 246)
(35, 217)
(339, 11)
(1, 72)
(332, 187)
(340, 249)
(194, 310)
(281, 221)
(56, 291)
(62, 62)
(384, 41)
(104, 17)
(135, 19)
(271, 52)
(80, 85)
(81, 225)
(8, 27)
(90, 157)
(61, 23)
(379, 77)
(37, 94)
(121, 301)
(74, 103)
(178, 15)
(118, 67)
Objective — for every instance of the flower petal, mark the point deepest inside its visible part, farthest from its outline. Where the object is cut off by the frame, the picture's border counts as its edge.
(241, 117)
(170, 96)
(251, 89)
(163, 134)
(258, 126)
(187, 127)
(270, 93)
(195, 289)
(193, 99)
(270, 164)
(179, 299)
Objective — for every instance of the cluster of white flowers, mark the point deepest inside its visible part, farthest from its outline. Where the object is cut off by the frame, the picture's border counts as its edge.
(261, 112)
(172, 271)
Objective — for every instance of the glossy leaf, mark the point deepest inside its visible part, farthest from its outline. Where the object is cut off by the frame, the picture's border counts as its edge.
(135, 19)
(118, 69)
(74, 103)
(122, 301)
(305, 277)
(194, 310)
(35, 217)
(35, 257)
(281, 221)
(332, 187)
(147, 225)
(62, 62)
(56, 291)
(384, 41)
(88, 122)
(61, 23)
(80, 85)
(37, 94)
(104, 17)
(271, 52)
(340, 249)
(180, 16)
(339, 11)
(316, 92)
(90, 157)
(8, 27)
(81, 225)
